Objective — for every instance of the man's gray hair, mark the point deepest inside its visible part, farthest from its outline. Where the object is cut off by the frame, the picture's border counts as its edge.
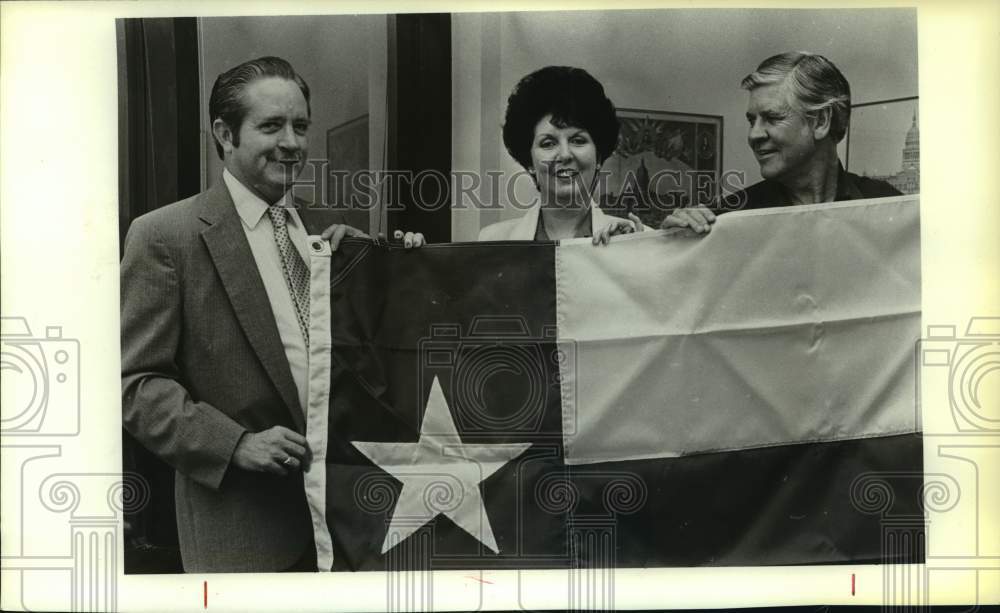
(814, 82)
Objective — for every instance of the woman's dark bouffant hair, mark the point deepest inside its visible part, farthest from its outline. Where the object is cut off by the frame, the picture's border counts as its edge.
(572, 97)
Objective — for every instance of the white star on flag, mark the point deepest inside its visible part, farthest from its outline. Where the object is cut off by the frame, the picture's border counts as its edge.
(440, 475)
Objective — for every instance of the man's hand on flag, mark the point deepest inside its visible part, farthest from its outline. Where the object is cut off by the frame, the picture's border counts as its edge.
(697, 219)
(276, 450)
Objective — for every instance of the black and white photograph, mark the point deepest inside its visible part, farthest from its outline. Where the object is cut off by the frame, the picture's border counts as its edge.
(497, 308)
(638, 294)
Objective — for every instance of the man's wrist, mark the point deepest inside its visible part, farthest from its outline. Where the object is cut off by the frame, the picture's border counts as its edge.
(241, 442)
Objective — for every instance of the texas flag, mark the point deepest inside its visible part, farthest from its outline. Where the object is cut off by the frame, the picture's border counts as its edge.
(741, 398)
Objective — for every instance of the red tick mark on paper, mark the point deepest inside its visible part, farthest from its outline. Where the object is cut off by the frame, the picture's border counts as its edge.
(852, 584)
(479, 579)
(204, 590)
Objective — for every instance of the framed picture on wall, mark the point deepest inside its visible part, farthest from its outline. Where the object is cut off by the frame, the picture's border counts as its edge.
(347, 151)
(663, 161)
(883, 142)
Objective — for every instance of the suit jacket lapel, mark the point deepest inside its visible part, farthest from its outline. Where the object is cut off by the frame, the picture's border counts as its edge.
(227, 244)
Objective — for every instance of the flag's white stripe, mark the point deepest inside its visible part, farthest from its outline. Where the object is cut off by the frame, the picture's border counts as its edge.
(782, 326)
(318, 410)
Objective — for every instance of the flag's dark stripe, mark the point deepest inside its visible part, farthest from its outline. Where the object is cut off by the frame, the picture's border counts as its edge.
(796, 504)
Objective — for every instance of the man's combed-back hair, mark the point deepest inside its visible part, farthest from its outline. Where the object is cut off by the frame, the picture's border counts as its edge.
(813, 82)
(226, 102)
(572, 97)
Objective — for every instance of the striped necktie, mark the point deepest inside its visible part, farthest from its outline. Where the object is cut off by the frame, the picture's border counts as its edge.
(296, 272)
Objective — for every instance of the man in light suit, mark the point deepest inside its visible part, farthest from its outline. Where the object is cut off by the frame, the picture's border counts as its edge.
(215, 334)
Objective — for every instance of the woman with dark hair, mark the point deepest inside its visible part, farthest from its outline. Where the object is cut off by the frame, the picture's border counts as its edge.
(561, 127)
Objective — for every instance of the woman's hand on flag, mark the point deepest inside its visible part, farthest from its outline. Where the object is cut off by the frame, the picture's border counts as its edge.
(338, 231)
(618, 226)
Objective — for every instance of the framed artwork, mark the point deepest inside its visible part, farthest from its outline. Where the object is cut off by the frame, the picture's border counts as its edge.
(883, 142)
(346, 150)
(663, 161)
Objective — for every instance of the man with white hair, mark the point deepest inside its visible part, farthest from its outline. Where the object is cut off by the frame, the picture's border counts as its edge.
(798, 110)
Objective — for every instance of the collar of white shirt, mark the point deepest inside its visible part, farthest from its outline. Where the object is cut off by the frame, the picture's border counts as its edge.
(250, 207)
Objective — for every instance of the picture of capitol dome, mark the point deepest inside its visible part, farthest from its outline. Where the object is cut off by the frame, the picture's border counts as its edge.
(882, 149)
